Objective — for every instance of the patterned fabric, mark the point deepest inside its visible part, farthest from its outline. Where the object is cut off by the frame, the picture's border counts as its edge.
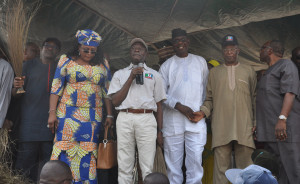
(88, 37)
(79, 112)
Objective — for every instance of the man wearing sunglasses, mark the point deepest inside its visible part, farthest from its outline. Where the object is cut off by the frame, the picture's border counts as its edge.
(185, 77)
(35, 140)
(278, 107)
(230, 100)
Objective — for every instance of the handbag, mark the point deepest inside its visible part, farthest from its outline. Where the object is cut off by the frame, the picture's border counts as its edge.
(107, 151)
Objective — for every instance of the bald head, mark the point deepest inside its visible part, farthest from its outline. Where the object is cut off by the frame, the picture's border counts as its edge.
(156, 178)
(56, 171)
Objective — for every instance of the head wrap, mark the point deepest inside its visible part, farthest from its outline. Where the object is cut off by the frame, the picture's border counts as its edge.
(214, 63)
(178, 32)
(88, 37)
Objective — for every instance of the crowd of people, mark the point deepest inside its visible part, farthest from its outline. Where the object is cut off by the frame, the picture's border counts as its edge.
(67, 103)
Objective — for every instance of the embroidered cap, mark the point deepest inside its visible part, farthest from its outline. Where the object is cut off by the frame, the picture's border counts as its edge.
(88, 37)
(229, 40)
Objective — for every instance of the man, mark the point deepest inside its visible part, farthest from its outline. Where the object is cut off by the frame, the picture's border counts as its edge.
(230, 98)
(56, 172)
(296, 58)
(278, 108)
(156, 178)
(185, 77)
(6, 83)
(35, 139)
(31, 51)
(136, 102)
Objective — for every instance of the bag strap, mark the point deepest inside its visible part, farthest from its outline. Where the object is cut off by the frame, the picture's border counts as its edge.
(106, 133)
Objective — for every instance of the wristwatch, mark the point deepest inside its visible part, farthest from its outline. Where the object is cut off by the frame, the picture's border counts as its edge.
(282, 117)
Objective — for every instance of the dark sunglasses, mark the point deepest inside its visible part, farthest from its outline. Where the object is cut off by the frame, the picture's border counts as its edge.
(89, 51)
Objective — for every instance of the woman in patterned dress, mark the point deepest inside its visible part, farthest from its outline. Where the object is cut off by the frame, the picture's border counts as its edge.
(79, 88)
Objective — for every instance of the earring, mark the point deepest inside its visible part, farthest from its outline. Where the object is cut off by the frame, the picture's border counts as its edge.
(78, 53)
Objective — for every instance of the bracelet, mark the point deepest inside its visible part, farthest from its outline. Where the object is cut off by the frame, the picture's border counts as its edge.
(51, 110)
(159, 130)
(110, 116)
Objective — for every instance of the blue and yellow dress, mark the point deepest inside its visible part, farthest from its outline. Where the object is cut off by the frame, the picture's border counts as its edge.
(79, 112)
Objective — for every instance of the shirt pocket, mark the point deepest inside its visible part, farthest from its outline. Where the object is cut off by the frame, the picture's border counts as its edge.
(243, 86)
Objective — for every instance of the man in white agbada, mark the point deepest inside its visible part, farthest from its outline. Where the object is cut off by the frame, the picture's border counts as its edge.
(185, 77)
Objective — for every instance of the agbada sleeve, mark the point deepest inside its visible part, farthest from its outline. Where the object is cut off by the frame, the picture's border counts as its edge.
(208, 103)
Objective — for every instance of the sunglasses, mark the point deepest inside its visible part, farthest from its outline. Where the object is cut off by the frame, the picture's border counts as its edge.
(88, 51)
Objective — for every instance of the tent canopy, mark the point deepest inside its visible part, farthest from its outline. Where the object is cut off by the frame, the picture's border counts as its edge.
(206, 21)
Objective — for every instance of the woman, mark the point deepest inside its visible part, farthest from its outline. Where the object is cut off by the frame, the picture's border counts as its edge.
(81, 82)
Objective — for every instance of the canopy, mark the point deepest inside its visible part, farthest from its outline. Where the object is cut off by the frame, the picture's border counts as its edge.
(206, 21)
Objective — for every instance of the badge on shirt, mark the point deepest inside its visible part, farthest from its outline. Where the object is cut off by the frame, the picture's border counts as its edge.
(149, 75)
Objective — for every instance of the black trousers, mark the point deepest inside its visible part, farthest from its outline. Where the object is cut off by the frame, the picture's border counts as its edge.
(289, 156)
(32, 156)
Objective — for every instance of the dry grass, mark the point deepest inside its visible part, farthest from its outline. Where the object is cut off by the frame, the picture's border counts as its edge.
(16, 24)
(6, 174)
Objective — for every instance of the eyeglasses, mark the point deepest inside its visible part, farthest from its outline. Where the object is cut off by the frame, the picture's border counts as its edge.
(89, 51)
(48, 46)
(230, 50)
(264, 47)
(179, 40)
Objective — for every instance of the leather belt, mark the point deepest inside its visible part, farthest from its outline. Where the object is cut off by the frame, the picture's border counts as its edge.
(137, 110)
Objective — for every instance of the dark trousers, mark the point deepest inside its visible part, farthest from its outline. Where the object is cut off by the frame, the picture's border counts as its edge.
(32, 156)
(289, 156)
(108, 176)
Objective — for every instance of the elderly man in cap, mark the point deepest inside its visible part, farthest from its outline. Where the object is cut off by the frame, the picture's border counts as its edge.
(230, 100)
(278, 107)
(185, 77)
(137, 92)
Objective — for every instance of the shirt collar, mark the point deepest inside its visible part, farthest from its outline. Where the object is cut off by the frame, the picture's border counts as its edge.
(131, 66)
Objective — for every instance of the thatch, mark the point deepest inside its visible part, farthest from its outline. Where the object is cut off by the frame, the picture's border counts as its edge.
(16, 24)
(6, 173)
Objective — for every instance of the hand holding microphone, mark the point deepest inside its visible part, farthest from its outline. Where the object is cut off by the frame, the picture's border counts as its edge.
(137, 73)
(139, 78)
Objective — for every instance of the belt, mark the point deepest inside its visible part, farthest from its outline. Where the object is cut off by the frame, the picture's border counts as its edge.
(137, 110)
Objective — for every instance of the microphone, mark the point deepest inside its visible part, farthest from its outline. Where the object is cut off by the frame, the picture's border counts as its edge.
(140, 77)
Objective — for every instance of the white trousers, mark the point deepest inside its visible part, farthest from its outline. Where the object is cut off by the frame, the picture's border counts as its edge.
(174, 151)
(140, 130)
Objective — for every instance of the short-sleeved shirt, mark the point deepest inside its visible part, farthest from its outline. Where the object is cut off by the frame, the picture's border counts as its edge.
(279, 79)
(139, 96)
(35, 101)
